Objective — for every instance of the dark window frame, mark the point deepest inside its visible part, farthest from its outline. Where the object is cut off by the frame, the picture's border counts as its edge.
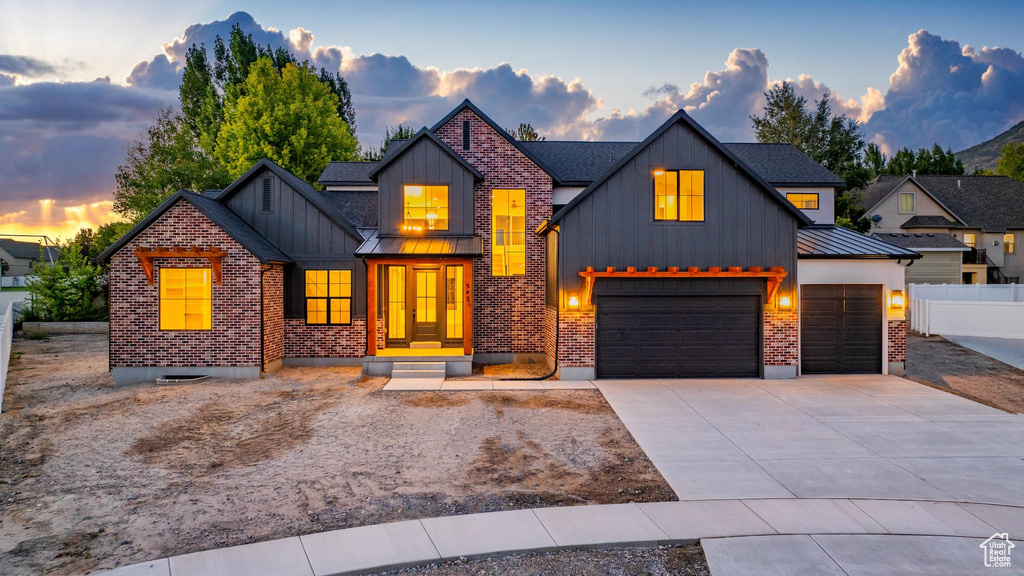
(679, 211)
(445, 231)
(328, 298)
(160, 300)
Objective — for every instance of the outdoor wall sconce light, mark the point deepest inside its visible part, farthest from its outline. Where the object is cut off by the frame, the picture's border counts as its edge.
(785, 303)
(574, 303)
(896, 300)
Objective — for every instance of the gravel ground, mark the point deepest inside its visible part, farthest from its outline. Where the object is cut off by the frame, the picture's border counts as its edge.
(676, 561)
(935, 361)
(93, 476)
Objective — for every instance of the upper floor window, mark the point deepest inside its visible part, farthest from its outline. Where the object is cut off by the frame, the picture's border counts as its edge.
(425, 207)
(1009, 246)
(328, 296)
(906, 201)
(802, 200)
(969, 239)
(679, 195)
(186, 299)
(508, 232)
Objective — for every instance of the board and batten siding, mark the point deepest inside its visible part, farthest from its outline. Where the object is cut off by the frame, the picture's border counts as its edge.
(300, 230)
(425, 163)
(936, 268)
(614, 225)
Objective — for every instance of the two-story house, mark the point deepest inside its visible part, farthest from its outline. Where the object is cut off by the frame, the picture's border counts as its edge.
(965, 226)
(676, 256)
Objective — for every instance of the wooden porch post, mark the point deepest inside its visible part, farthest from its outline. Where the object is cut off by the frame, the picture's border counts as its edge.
(371, 308)
(467, 308)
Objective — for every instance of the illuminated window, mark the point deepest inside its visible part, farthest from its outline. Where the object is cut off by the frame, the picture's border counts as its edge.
(969, 239)
(679, 195)
(508, 232)
(453, 301)
(803, 201)
(906, 201)
(185, 299)
(1008, 244)
(396, 302)
(426, 207)
(328, 296)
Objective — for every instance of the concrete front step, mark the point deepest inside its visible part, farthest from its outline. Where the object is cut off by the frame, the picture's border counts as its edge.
(418, 370)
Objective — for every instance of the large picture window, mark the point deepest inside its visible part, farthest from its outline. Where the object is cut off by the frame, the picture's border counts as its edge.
(679, 195)
(508, 232)
(425, 207)
(328, 296)
(186, 299)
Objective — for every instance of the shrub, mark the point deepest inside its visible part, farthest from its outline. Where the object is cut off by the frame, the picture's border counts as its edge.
(67, 290)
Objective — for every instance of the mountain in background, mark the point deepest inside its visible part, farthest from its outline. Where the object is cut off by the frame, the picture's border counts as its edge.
(984, 155)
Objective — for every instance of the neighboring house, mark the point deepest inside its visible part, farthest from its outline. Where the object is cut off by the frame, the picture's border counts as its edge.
(668, 257)
(21, 257)
(942, 259)
(985, 213)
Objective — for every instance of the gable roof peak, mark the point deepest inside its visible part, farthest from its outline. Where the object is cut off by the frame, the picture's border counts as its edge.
(411, 142)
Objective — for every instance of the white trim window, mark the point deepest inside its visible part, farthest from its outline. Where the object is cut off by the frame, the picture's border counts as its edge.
(907, 203)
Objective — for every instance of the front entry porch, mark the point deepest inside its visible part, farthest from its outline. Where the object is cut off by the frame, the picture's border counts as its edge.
(424, 307)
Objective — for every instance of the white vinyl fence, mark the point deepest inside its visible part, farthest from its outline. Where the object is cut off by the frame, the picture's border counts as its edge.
(986, 310)
(6, 339)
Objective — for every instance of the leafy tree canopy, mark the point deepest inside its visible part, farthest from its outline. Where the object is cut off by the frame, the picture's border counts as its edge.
(525, 133)
(1011, 161)
(833, 140)
(400, 132)
(165, 158)
(288, 116)
(905, 161)
(67, 290)
(92, 243)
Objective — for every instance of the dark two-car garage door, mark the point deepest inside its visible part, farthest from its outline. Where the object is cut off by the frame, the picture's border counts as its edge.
(678, 336)
(841, 329)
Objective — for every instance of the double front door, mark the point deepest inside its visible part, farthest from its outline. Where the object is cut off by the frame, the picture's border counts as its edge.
(423, 303)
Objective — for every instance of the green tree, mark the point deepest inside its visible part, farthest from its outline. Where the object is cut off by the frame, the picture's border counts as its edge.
(289, 117)
(201, 108)
(165, 158)
(525, 133)
(68, 289)
(1011, 161)
(391, 133)
(833, 140)
(92, 243)
(875, 159)
(924, 161)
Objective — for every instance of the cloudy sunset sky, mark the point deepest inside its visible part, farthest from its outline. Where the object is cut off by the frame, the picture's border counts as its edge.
(77, 80)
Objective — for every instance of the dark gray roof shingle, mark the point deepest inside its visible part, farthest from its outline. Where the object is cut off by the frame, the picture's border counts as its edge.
(923, 241)
(358, 207)
(839, 242)
(784, 164)
(341, 173)
(220, 215)
(421, 245)
(578, 162)
(28, 250)
(990, 203)
(929, 222)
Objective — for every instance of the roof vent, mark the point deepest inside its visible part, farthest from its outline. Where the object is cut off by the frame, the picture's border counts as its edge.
(893, 234)
(930, 235)
(917, 235)
(958, 184)
(913, 173)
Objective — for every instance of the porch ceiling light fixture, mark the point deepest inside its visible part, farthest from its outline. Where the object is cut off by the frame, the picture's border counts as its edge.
(896, 300)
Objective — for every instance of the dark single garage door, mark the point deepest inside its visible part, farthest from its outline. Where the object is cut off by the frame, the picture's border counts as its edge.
(841, 329)
(678, 336)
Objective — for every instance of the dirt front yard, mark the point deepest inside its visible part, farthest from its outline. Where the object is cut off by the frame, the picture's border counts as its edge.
(93, 477)
(940, 363)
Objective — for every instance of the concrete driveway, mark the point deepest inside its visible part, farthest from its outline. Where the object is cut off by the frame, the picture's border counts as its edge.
(822, 437)
(878, 437)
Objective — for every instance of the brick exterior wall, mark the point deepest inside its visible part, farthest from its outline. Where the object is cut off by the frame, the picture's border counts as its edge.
(576, 339)
(273, 315)
(135, 336)
(781, 344)
(508, 312)
(897, 340)
(319, 341)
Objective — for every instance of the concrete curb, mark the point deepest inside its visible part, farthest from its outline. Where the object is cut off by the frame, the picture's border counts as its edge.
(407, 543)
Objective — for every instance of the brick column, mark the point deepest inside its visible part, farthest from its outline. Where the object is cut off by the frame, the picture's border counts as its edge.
(781, 344)
(897, 334)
